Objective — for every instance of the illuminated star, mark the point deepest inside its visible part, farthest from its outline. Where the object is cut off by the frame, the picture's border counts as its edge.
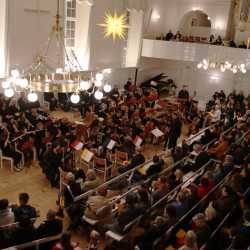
(115, 26)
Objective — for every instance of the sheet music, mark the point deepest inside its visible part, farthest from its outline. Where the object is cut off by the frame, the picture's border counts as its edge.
(87, 155)
(157, 132)
(111, 144)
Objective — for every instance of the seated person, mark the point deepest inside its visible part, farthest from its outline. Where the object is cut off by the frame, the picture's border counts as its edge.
(242, 236)
(6, 215)
(91, 181)
(190, 241)
(73, 189)
(24, 209)
(136, 160)
(25, 231)
(98, 207)
(155, 230)
(128, 214)
(201, 228)
(156, 167)
(66, 243)
(50, 227)
(162, 187)
(169, 35)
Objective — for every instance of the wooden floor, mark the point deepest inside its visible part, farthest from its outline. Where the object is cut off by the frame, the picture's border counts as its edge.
(42, 196)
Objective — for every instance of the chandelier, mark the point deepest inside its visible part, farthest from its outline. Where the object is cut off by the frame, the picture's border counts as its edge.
(207, 64)
(66, 77)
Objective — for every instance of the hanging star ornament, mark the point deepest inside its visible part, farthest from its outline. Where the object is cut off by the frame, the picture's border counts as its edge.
(115, 26)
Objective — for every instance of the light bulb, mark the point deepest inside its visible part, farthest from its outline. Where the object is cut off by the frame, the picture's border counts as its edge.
(235, 71)
(199, 65)
(228, 65)
(15, 73)
(242, 66)
(98, 95)
(205, 61)
(99, 77)
(84, 85)
(222, 68)
(243, 70)
(107, 88)
(98, 83)
(107, 71)
(205, 67)
(24, 83)
(59, 71)
(75, 98)
(9, 92)
(5, 84)
(32, 97)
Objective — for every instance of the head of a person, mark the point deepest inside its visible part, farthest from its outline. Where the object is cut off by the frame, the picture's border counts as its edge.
(24, 198)
(4, 203)
(226, 191)
(178, 174)
(191, 239)
(70, 177)
(51, 215)
(210, 213)
(102, 191)
(163, 181)
(131, 199)
(91, 175)
(199, 220)
(229, 159)
(156, 158)
(246, 216)
(94, 236)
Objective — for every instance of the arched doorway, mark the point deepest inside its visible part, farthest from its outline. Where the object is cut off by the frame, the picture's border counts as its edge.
(195, 23)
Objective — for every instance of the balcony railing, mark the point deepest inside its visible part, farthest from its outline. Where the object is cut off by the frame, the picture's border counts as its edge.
(193, 52)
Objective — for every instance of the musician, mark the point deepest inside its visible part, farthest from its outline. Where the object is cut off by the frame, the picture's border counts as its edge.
(215, 114)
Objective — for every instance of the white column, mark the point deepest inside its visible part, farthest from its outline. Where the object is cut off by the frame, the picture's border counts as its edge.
(3, 31)
(82, 50)
(134, 41)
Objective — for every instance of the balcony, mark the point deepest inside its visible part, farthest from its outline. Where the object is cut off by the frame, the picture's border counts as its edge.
(193, 52)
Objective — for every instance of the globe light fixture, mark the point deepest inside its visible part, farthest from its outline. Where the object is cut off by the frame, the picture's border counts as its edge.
(5, 84)
(32, 97)
(107, 88)
(98, 95)
(9, 92)
(75, 98)
(222, 68)
(15, 73)
(199, 65)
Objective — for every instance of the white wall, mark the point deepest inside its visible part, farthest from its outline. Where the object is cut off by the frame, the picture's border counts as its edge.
(172, 12)
(3, 38)
(104, 52)
(205, 83)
